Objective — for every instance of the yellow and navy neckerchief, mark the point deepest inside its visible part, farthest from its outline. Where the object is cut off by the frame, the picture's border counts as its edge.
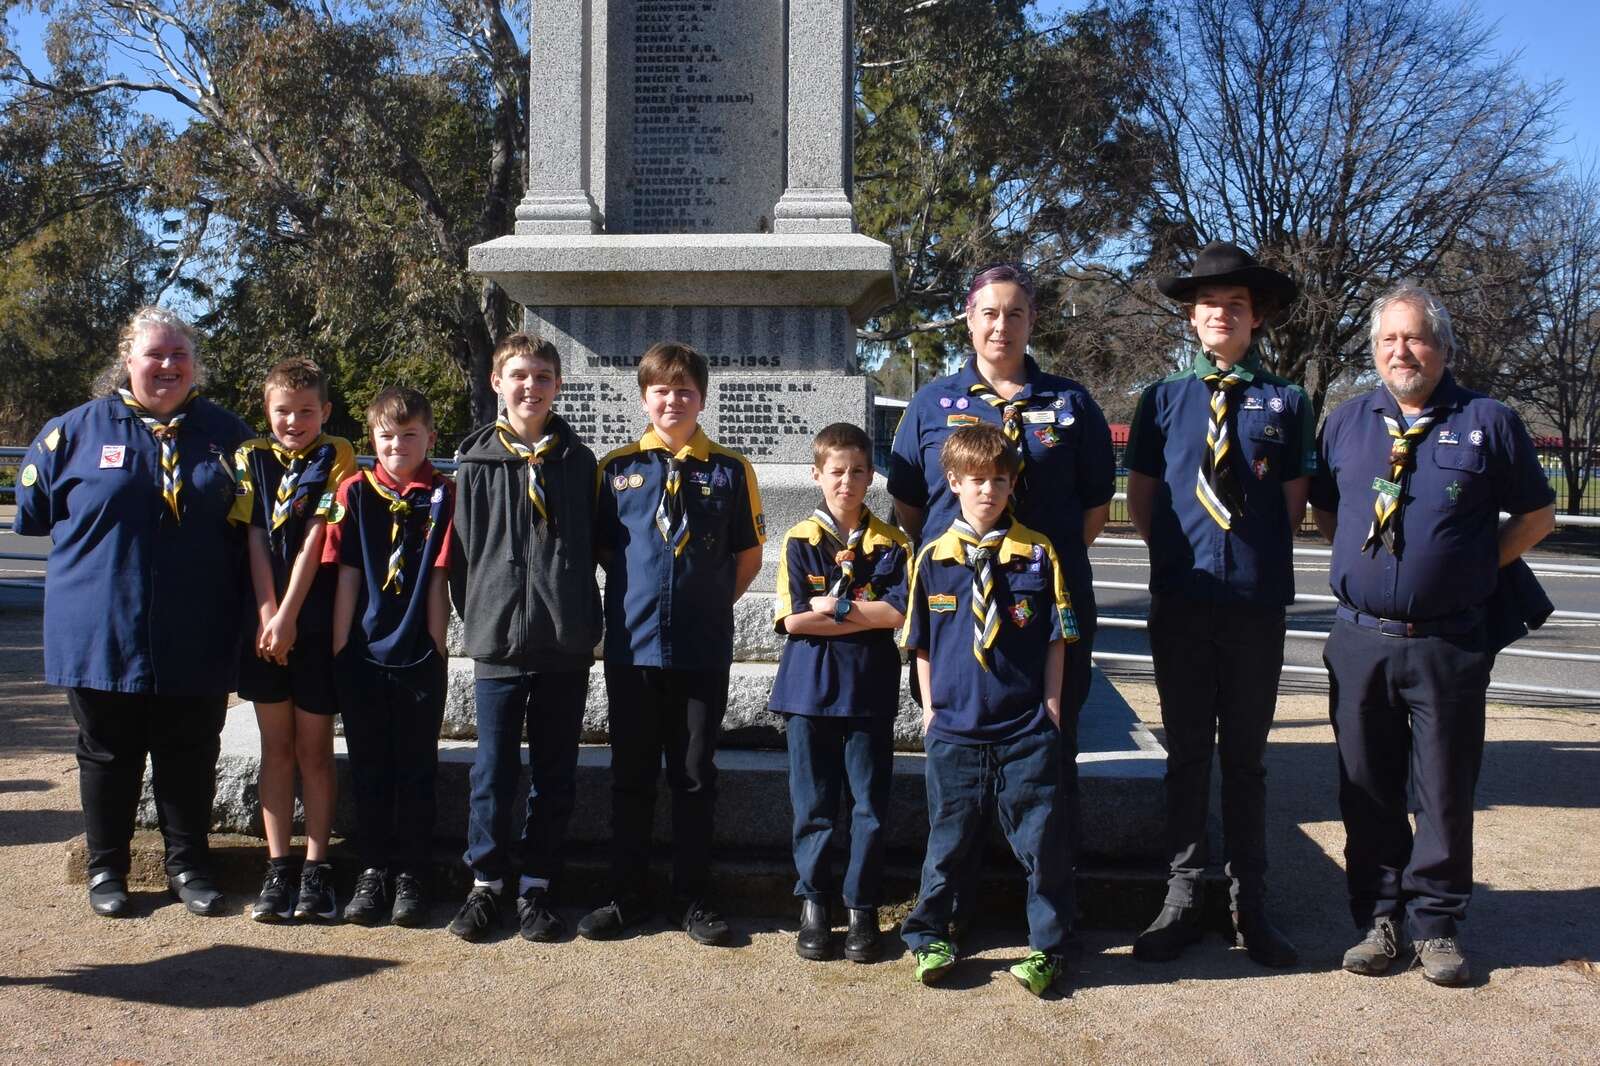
(1216, 487)
(1385, 528)
(1019, 542)
(1011, 412)
(294, 468)
(165, 432)
(535, 458)
(979, 554)
(849, 546)
(401, 505)
(672, 517)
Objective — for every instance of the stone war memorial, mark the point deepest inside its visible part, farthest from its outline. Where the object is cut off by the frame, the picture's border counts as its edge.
(689, 180)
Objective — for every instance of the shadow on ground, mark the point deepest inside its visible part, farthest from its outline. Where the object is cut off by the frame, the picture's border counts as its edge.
(223, 975)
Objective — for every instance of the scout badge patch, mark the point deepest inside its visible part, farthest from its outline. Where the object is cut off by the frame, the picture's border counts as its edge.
(818, 582)
(962, 420)
(942, 602)
(1022, 613)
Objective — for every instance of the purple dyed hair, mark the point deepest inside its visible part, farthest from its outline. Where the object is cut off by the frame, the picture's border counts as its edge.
(999, 272)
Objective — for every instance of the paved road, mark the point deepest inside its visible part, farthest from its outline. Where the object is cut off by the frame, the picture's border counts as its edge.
(1123, 559)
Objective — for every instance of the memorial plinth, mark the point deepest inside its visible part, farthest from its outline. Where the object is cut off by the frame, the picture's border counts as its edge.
(835, 270)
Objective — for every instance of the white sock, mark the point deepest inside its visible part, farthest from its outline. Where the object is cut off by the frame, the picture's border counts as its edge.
(497, 884)
(528, 884)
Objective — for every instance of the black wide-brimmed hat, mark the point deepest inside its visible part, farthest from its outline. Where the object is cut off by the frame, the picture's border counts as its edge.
(1221, 263)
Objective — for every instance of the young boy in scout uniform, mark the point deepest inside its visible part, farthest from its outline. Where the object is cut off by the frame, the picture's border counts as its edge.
(678, 529)
(390, 531)
(523, 582)
(988, 618)
(285, 487)
(841, 591)
(1219, 456)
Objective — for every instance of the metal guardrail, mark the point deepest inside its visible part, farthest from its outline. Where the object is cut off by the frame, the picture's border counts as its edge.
(448, 466)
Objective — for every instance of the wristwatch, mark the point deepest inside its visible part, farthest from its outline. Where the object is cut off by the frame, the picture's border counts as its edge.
(841, 608)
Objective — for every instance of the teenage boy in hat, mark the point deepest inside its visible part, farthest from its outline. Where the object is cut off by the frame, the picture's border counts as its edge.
(1219, 457)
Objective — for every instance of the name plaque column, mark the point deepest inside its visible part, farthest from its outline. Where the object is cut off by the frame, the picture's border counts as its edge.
(816, 196)
(558, 197)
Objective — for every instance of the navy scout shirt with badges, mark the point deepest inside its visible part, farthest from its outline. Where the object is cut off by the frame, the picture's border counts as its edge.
(857, 673)
(1070, 466)
(1272, 432)
(136, 599)
(364, 528)
(665, 609)
(1475, 461)
(280, 491)
(973, 704)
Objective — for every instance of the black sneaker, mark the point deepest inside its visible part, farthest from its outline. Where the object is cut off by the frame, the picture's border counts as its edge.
(317, 901)
(275, 903)
(704, 925)
(479, 915)
(613, 920)
(410, 901)
(370, 898)
(539, 923)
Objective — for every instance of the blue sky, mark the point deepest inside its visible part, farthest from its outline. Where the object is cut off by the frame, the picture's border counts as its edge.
(1557, 40)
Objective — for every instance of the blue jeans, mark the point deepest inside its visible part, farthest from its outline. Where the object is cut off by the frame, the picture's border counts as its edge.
(824, 753)
(1022, 781)
(551, 704)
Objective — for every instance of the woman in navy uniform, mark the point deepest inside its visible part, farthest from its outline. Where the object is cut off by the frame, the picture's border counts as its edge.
(142, 598)
(1068, 470)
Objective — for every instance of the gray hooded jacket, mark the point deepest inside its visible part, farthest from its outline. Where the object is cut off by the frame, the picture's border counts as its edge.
(525, 588)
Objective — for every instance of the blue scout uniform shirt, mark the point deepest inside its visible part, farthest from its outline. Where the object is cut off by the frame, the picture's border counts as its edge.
(259, 469)
(1070, 468)
(391, 628)
(1475, 461)
(136, 601)
(971, 704)
(664, 610)
(854, 674)
(1273, 433)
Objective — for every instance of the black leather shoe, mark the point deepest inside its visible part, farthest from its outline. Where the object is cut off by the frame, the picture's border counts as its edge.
(195, 891)
(815, 941)
(1261, 941)
(108, 894)
(863, 942)
(1174, 929)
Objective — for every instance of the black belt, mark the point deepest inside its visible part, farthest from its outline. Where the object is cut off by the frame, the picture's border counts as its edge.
(1465, 622)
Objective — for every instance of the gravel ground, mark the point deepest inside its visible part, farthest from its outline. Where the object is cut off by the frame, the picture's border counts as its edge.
(170, 987)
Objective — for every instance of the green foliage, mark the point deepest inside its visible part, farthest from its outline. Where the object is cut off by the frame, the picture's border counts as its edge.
(983, 134)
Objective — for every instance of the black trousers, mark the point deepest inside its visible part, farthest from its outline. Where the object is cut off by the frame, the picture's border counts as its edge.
(1217, 667)
(675, 715)
(1408, 709)
(392, 716)
(182, 737)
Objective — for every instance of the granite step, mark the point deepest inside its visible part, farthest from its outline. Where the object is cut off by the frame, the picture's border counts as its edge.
(1120, 770)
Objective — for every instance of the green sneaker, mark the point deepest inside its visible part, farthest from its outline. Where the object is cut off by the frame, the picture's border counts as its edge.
(934, 961)
(1038, 972)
